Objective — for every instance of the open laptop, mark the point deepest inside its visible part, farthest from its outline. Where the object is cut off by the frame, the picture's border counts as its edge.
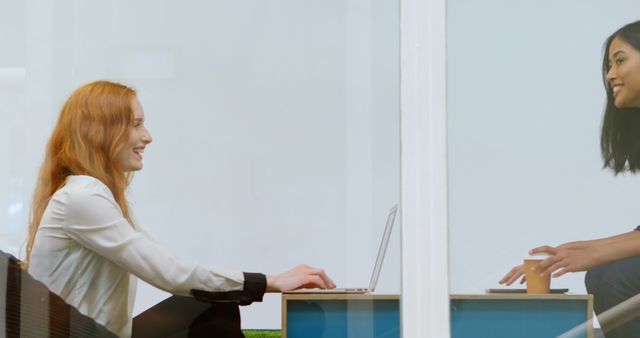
(376, 269)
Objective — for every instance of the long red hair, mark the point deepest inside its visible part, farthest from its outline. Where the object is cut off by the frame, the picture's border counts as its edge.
(94, 124)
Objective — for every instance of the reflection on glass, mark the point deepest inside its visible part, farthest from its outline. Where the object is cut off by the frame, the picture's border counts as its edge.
(525, 130)
(12, 151)
(273, 123)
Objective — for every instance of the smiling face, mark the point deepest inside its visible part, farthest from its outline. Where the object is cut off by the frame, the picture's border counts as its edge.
(130, 156)
(624, 74)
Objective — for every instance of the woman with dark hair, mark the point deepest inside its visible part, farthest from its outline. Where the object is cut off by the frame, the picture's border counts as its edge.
(83, 243)
(612, 263)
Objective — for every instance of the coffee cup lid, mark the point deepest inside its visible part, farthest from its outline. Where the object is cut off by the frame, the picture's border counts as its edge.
(538, 256)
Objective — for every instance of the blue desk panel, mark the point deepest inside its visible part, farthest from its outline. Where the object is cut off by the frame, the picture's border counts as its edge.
(343, 318)
(522, 318)
(472, 316)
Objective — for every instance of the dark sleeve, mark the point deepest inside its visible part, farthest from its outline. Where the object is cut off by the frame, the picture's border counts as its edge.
(255, 285)
(637, 228)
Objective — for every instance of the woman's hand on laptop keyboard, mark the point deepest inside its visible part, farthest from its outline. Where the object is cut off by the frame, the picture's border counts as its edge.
(302, 276)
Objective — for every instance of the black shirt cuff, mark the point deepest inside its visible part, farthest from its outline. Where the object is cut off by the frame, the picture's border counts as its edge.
(255, 285)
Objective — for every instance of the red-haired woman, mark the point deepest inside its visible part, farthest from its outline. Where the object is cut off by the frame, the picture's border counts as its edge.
(82, 241)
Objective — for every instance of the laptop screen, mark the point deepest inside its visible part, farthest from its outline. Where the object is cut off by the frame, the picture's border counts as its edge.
(383, 248)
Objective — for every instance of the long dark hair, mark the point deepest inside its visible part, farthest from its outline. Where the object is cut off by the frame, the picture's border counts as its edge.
(620, 138)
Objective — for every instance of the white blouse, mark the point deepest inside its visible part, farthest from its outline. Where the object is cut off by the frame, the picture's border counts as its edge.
(85, 251)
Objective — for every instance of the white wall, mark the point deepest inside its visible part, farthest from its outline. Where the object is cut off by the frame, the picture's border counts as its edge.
(525, 102)
(275, 125)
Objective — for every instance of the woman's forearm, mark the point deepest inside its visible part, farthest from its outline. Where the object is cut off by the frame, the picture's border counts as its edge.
(618, 247)
(585, 255)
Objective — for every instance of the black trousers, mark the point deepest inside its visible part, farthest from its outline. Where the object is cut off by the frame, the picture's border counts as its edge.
(612, 284)
(179, 316)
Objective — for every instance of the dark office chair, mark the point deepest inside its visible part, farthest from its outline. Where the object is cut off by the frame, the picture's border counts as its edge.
(31, 310)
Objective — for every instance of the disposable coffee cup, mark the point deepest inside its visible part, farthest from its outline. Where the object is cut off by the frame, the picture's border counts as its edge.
(536, 284)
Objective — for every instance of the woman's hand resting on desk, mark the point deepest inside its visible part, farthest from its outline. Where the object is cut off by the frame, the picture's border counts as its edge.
(568, 257)
(302, 276)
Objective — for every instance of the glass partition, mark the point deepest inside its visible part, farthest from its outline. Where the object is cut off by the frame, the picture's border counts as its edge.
(275, 127)
(525, 105)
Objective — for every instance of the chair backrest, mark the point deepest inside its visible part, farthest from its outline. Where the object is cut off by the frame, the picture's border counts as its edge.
(31, 310)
